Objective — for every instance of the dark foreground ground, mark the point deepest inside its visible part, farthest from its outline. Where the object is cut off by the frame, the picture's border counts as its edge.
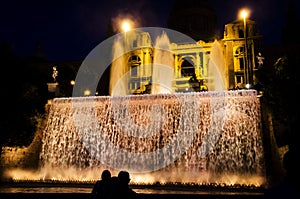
(142, 196)
(82, 191)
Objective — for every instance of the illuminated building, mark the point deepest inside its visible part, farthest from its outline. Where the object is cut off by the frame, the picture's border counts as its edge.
(191, 60)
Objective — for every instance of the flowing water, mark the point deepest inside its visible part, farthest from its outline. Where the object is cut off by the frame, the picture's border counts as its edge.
(216, 69)
(163, 66)
(202, 138)
(209, 137)
(118, 80)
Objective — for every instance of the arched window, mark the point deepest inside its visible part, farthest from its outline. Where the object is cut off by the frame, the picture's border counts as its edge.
(187, 67)
(134, 62)
(239, 51)
(239, 54)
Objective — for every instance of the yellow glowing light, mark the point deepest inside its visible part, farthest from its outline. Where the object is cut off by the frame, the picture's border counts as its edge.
(87, 92)
(72, 82)
(244, 13)
(126, 26)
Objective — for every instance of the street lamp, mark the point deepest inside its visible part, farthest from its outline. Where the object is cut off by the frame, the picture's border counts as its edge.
(72, 82)
(244, 14)
(126, 26)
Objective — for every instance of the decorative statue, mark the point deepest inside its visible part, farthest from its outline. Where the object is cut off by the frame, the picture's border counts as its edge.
(260, 60)
(54, 73)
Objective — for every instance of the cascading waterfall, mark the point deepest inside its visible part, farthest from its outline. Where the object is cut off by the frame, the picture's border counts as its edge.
(207, 137)
(165, 137)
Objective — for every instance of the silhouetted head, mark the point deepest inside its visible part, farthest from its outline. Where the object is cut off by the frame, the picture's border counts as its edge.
(106, 175)
(124, 177)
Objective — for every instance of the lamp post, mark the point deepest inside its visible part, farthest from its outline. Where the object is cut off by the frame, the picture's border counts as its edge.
(244, 15)
(126, 26)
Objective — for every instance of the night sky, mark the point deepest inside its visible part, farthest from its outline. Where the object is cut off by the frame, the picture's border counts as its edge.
(69, 30)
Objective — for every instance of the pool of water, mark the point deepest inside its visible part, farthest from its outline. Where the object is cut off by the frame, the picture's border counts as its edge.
(44, 190)
(87, 188)
(72, 190)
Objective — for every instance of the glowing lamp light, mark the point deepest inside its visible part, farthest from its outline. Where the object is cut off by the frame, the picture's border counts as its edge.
(126, 26)
(87, 92)
(244, 13)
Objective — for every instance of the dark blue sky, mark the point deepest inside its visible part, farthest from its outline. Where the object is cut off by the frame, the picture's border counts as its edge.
(69, 30)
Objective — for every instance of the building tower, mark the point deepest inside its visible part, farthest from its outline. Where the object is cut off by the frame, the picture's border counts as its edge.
(234, 51)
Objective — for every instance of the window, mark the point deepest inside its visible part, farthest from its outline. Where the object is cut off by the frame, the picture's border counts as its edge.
(239, 79)
(187, 67)
(241, 62)
(134, 62)
(134, 71)
(241, 34)
(239, 51)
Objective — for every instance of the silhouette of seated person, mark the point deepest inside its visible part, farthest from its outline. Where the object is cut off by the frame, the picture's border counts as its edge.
(121, 187)
(289, 186)
(102, 188)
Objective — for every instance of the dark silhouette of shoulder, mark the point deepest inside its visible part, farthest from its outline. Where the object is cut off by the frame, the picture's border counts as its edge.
(102, 188)
(120, 186)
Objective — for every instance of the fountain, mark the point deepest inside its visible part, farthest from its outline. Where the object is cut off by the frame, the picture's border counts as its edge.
(163, 63)
(196, 138)
(217, 64)
(202, 138)
(118, 81)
